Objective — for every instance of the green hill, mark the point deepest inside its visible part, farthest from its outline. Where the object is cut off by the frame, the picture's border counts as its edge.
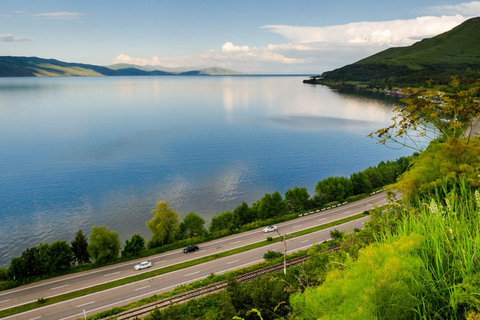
(454, 52)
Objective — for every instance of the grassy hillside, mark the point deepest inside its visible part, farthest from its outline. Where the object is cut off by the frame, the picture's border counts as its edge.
(454, 52)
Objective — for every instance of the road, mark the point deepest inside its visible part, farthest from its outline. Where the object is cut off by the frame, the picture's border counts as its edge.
(134, 291)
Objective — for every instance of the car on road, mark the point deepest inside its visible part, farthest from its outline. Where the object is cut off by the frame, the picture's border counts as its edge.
(269, 229)
(190, 249)
(143, 265)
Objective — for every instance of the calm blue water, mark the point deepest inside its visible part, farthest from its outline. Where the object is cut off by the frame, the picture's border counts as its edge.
(78, 152)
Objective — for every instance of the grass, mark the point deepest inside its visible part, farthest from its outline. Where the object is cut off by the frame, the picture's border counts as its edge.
(117, 283)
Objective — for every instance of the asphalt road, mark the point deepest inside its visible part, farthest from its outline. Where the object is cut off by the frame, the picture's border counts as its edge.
(107, 299)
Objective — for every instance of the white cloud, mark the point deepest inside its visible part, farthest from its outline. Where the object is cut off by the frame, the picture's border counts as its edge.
(384, 33)
(469, 9)
(229, 56)
(229, 47)
(10, 38)
(59, 15)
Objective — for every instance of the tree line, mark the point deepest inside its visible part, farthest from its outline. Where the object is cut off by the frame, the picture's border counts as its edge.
(103, 245)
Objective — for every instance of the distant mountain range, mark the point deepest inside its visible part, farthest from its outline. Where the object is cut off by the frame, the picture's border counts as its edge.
(38, 67)
(455, 52)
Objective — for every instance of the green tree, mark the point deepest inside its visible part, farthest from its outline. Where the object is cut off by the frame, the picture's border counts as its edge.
(243, 214)
(163, 225)
(133, 247)
(333, 189)
(298, 199)
(360, 183)
(60, 256)
(223, 221)
(192, 225)
(79, 248)
(104, 245)
(271, 205)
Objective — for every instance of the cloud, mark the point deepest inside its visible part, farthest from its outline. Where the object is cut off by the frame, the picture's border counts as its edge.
(229, 55)
(10, 38)
(469, 9)
(59, 15)
(384, 33)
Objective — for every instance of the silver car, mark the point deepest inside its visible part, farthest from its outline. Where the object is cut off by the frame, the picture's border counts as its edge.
(143, 265)
(269, 229)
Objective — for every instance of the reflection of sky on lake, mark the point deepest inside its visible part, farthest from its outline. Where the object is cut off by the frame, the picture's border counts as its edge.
(78, 152)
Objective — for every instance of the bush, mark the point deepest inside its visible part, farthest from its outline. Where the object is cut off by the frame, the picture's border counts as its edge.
(336, 234)
(272, 255)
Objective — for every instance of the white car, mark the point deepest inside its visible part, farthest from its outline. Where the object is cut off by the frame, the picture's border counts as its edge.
(143, 265)
(269, 229)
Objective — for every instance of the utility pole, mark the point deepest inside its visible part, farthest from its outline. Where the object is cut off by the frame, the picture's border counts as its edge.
(284, 251)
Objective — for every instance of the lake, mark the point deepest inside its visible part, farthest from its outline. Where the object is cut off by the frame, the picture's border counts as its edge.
(78, 152)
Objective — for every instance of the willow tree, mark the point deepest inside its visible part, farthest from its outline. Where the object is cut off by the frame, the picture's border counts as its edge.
(164, 224)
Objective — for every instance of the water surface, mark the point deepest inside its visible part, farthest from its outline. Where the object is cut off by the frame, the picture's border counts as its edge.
(78, 152)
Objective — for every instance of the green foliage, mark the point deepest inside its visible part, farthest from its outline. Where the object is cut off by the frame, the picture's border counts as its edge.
(163, 225)
(336, 234)
(79, 248)
(243, 214)
(427, 113)
(381, 284)
(133, 247)
(271, 205)
(39, 261)
(104, 245)
(333, 189)
(3, 274)
(221, 222)
(298, 199)
(442, 164)
(59, 256)
(192, 226)
(360, 183)
(272, 255)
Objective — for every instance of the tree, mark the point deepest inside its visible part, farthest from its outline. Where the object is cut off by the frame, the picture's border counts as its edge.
(79, 248)
(134, 246)
(298, 199)
(333, 189)
(192, 225)
(60, 256)
(243, 214)
(360, 183)
(163, 225)
(223, 221)
(271, 205)
(104, 245)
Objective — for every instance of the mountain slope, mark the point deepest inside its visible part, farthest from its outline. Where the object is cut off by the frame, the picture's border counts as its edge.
(454, 52)
(38, 67)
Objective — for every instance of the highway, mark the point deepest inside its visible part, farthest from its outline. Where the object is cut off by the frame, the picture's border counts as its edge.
(107, 299)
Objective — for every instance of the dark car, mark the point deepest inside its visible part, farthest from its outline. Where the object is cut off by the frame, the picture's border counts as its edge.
(190, 249)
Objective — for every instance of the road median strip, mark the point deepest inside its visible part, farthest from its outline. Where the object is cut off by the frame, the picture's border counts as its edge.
(116, 283)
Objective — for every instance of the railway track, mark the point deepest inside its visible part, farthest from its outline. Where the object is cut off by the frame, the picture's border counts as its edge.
(210, 289)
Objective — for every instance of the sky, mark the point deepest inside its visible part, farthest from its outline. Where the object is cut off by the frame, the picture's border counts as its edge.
(251, 36)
